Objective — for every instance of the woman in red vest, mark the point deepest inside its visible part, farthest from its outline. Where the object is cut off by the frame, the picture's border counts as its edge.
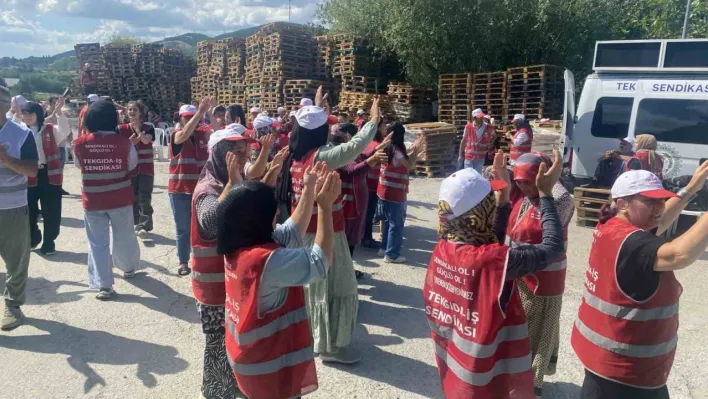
(541, 292)
(626, 331)
(372, 182)
(645, 146)
(266, 268)
(392, 190)
(46, 189)
(141, 134)
(472, 305)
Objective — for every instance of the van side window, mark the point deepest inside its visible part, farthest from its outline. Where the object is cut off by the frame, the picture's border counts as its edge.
(612, 116)
(674, 120)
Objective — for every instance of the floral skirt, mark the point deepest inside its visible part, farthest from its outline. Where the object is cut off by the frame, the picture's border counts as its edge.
(218, 381)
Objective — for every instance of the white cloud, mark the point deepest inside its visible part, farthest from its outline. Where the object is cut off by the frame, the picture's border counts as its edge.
(26, 26)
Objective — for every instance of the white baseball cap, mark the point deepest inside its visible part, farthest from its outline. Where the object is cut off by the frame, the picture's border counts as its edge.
(640, 182)
(465, 189)
(232, 132)
(519, 117)
(93, 98)
(305, 102)
(360, 112)
(262, 120)
(311, 117)
(630, 140)
(187, 110)
(255, 110)
(477, 113)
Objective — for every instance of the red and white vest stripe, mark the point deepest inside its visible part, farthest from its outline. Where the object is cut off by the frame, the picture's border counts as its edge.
(297, 172)
(517, 151)
(146, 156)
(350, 186)
(481, 149)
(372, 177)
(527, 230)
(270, 352)
(482, 349)
(55, 170)
(616, 337)
(393, 183)
(105, 178)
(186, 166)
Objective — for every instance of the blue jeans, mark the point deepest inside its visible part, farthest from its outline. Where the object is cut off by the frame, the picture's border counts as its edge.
(182, 212)
(392, 234)
(62, 154)
(477, 164)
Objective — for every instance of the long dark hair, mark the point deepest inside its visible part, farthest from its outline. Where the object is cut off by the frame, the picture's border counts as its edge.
(142, 108)
(236, 111)
(245, 217)
(34, 108)
(399, 133)
(379, 137)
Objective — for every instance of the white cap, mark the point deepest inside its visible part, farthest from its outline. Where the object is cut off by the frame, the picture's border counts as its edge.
(93, 98)
(255, 110)
(465, 189)
(486, 116)
(232, 132)
(281, 109)
(519, 117)
(305, 102)
(640, 182)
(360, 112)
(187, 110)
(311, 117)
(477, 113)
(87, 64)
(262, 121)
(19, 101)
(630, 140)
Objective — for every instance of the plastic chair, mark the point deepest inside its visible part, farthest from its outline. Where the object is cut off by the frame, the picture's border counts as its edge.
(158, 144)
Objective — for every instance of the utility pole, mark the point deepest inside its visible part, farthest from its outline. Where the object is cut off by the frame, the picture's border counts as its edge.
(685, 20)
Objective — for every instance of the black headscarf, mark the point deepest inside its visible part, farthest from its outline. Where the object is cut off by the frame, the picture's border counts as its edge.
(101, 115)
(302, 141)
(245, 217)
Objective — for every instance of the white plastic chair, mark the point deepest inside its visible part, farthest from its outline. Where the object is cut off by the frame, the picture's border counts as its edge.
(157, 145)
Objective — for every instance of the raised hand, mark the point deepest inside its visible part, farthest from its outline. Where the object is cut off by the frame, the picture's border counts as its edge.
(499, 170)
(279, 157)
(386, 141)
(375, 112)
(267, 141)
(321, 98)
(698, 180)
(233, 167)
(547, 178)
(204, 105)
(330, 190)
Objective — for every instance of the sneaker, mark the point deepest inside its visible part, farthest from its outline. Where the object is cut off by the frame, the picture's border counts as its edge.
(142, 234)
(381, 252)
(64, 192)
(129, 274)
(105, 294)
(400, 259)
(342, 356)
(12, 318)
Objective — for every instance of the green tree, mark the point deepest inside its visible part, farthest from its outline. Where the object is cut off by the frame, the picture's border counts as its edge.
(118, 39)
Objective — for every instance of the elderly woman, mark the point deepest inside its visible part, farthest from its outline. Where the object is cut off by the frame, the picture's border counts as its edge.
(645, 151)
(626, 331)
(541, 292)
(332, 303)
(263, 150)
(473, 307)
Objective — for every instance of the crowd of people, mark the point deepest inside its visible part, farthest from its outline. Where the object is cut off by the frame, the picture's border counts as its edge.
(268, 212)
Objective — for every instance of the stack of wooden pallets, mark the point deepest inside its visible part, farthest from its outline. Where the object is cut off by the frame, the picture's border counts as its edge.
(454, 100)
(410, 103)
(437, 157)
(588, 202)
(91, 53)
(326, 47)
(297, 89)
(535, 91)
(488, 92)
(350, 102)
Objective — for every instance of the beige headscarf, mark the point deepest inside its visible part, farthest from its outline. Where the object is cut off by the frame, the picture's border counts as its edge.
(647, 142)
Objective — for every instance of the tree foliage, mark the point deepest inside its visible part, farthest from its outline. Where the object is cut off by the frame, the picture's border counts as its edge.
(119, 39)
(431, 37)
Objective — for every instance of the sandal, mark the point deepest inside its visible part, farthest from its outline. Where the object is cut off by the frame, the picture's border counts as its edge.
(184, 269)
(358, 274)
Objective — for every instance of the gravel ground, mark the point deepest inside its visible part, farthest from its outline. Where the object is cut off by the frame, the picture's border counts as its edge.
(148, 344)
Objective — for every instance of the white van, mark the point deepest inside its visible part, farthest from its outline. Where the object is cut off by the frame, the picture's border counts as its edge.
(657, 87)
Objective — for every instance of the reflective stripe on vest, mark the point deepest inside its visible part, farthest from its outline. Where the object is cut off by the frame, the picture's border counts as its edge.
(621, 348)
(54, 172)
(54, 158)
(287, 360)
(186, 161)
(390, 184)
(394, 175)
(184, 177)
(204, 252)
(208, 277)
(102, 176)
(627, 313)
(503, 366)
(270, 329)
(480, 351)
(107, 187)
(146, 152)
(145, 160)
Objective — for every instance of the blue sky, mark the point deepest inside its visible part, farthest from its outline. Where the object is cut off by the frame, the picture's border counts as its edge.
(48, 27)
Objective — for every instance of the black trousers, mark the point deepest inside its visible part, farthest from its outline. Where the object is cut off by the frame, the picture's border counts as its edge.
(49, 197)
(370, 212)
(596, 387)
(142, 207)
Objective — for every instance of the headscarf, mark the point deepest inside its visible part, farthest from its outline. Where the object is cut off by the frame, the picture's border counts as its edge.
(216, 164)
(647, 142)
(245, 217)
(472, 227)
(101, 116)
(528, 164)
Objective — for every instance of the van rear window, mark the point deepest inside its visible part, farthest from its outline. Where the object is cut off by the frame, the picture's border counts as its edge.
(612, 116)
(674, 120)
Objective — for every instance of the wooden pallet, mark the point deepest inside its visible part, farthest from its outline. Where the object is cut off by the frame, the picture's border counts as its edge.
(588, 202)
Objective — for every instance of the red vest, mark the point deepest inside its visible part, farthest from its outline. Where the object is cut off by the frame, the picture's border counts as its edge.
(82, 125)
(482, 350)
(207, 264)
(105, 178)
(350, 186)
(372, 177)
(146, 165)
(297, 172)
(481, 149)
(643, 157)
(187, 165)
(393, 183)
(616, 337)
(270, 353)
(516, 152)
(527, 230)
(55, 170)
